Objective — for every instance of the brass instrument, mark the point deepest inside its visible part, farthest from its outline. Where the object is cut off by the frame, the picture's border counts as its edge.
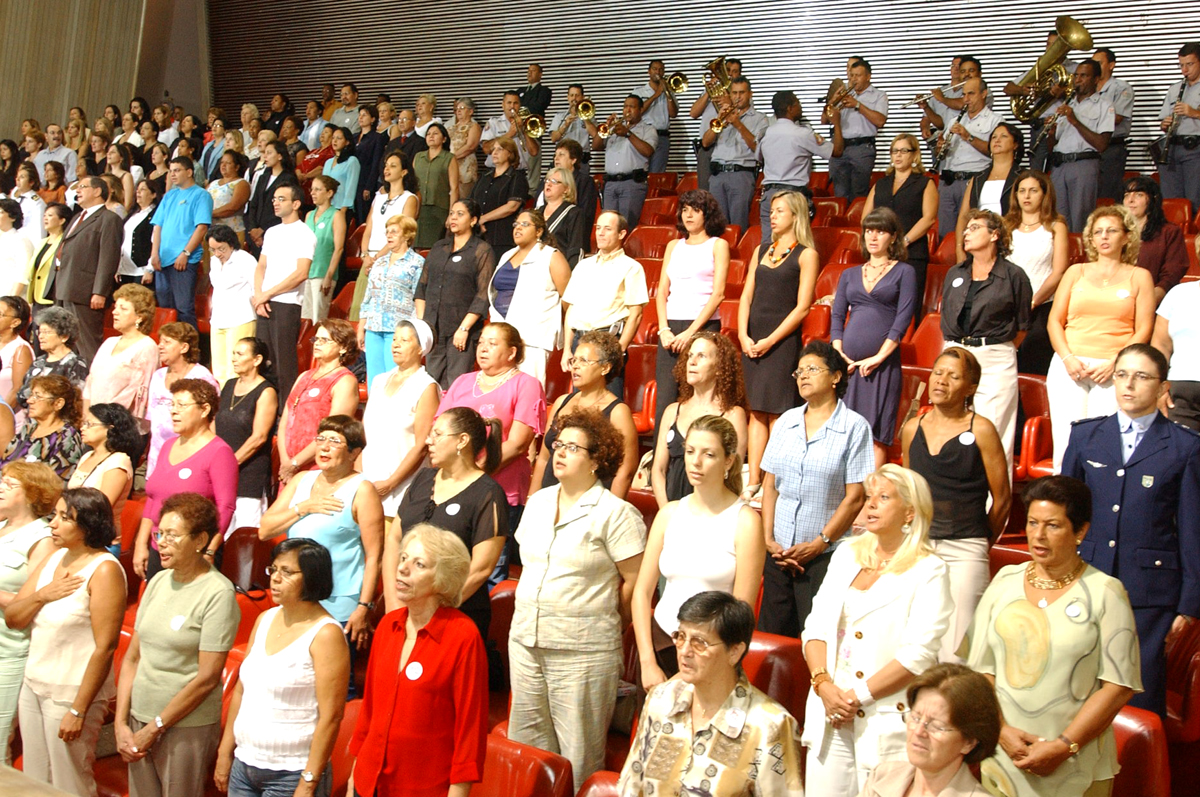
(1049, 73)
(920, 98)
(1052, 122)
(586, 109)
(530, 124)
(1160, 148)
(838, 91)
(716, 85)
(677, 83)
(606, 129)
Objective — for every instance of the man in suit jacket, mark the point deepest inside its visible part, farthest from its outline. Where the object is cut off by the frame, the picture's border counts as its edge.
(86, 272)
(1144, 473)
(535, 96)
(408, 141)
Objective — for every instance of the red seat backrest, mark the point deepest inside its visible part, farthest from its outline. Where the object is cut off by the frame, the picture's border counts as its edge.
(827, 280)
(727, 311)
(775, 664)
(517, 770)
(650, 240)
(237, 562)
(503, 600)
(340, 306)
(1003, 555)
(927, 342)
(854, 213)
(600, 784)
(558, 381)
(639, 370)
(341, 759)
(935, 276)
(945, 252)
(252, 605)
(661, 184)
(1142, 753)
(1034, 399)
(1183, 685)
(752, 238)
(816, 323)
(162, 315)
(688, 182)
(1178, 211)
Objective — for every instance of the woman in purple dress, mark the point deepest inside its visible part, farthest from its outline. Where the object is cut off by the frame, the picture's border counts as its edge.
(872, 309)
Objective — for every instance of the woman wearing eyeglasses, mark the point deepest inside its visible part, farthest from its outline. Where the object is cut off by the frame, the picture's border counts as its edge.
(51, 433)
(72, 605)
(526, 290)
(287, 706)
(690, 722)
(563, 217)
(913, 196)
(329, 388)
(458, 494)
(389, 295)
(953, 722)
(197, 461)
(111, 434)
(179, 356)
(1058, 640)
(596, 359)
(168, 721)
(339, 508)
(876, 624)
(582, 548)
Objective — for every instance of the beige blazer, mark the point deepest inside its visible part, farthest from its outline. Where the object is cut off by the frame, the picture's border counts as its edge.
(894, 778)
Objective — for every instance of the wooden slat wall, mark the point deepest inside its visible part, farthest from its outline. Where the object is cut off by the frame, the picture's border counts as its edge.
(62, 53)
(480, 49)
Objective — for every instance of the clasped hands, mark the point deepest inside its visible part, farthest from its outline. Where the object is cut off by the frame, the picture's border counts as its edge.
(794, 558)
(1033, 753)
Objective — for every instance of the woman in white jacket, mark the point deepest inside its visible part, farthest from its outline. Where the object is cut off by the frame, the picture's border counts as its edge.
(876, 623)
(526, 290)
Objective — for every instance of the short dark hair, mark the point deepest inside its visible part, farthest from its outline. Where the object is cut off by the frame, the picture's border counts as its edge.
(12, 209)
(864, 63)
(239, 159)
(123, 433)
(512, 338)
(575, 86)
(974, 709)
(21, 310)
(640, 101)
(1146, 350)
(350, 86)
(316, 566)
(834, 361)
(706, 203)
(970, 59)
(654, 61)
(224, 234)
(184, 162)
(512, 93)
(737, 61)
(199, 514)
(730, 618)
(1191, 48)
(622, 222)
(202, 393)
(347, 427)
(781, 101)
(608, 347)
(59, 209)
(100, 185)
(291, 187)
(573, 148)
(1071, 494)
(606, 443)
(741, 79)
(92, 513)
(1090, 62)
(371, 110)
(1108, 53)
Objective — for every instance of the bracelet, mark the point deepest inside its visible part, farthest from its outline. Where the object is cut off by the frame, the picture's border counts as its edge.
(825, 539)
(819, 677)
(75, 712)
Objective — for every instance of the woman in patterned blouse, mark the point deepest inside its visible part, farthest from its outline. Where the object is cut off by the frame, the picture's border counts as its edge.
(51, 434)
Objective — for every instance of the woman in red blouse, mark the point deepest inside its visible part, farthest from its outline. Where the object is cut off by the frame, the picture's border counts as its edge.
(423, 727)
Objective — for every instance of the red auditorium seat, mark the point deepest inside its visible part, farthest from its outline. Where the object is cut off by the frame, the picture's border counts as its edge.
(162, 315)
(1075, 247)
(834, 206)
(1004, 555)
(652, 267)
(727, 312)
(854, 213)
(732, 234)
(647, 331)
(341, 759)
(914, 384)
(660, 210)
(558, 381)
(816, 323)
(518, 770)
(648, 240)
(926, 343)
(935, 276)
(1142, 754)
(826, 241)
(735, 279)
(252, 605)
(752, 238)
(503, 600)
(204, 312)
(818, 183)
(641, 391)
(1178, 210)
(1037, 439)
(827, 280)
(661, 184)
(600, 784)
(1183, 709)
(775, 664)
(945, 252)
(352, 255)
(688, 182)
(340, 306)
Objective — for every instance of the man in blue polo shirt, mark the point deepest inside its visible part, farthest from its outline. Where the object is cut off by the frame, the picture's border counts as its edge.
(180, 222)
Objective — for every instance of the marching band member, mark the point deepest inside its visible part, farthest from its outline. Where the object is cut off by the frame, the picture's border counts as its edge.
(1120, 94)
(864, 110)
(968, 132)
(568, 126)
(628, 154)
(1181, 178)
(787, 150)
(705, 110)
(735, 152)
(658, 109)
(506, 126)
(1081, 133)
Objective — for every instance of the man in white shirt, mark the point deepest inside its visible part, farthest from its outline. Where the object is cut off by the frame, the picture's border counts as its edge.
(658, 109)
(347, 115)
(704, 110)
(287, 254)
(506, 125)
(607, 291)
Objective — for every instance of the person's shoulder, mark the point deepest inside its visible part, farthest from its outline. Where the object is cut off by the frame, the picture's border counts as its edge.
(791, 418)
(1085, 425)
(1183, 434)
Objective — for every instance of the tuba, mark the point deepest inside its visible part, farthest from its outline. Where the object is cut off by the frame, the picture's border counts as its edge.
(1049, 73)
(716, 85)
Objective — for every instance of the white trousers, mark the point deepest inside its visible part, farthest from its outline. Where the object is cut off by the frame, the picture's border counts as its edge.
(1072, 400)
(831, 770)
(64, 765)
(967, 563)
(996, 397)
(534, 363)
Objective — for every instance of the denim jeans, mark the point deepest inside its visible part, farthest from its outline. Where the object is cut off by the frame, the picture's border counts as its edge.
(248, 781)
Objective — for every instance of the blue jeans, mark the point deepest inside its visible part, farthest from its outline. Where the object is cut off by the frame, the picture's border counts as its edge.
(177, 289)
(501, 571)
(379, 354)
(248, 781)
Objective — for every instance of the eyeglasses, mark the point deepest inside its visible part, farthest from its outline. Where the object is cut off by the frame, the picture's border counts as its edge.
(553, 181)
(332, 442)
(282, 571)
(572, 448)
(522, 224)
(178, 405)
(1136, 376)
(319, 341)
(932, 727)
(903, 151)
(9, 484)
(807, 369)
(975, 227)
(170, 539)
(36, 397)
(699, 645)
(83, 427)
(572, 362)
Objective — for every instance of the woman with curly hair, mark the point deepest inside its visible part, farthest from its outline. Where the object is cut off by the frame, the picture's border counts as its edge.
(709, 379)
(814, 467)
(691, 287)
(122, 368)
(583, 547)
(115, 445)
(51, 433)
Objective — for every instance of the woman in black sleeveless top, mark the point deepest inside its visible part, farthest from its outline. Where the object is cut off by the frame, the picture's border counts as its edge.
(248, 407)
(908, 191)
(960, 455)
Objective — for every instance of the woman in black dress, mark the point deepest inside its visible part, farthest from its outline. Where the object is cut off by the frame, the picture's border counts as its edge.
(769, 322)
(595, 361)
(248, 407)
(908, 191)
(883, 296)
(458, 495)
(500, 194)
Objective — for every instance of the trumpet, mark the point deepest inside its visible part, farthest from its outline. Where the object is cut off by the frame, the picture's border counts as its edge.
(920, 98)
(838, 91)
(529, 123)
(606, 129)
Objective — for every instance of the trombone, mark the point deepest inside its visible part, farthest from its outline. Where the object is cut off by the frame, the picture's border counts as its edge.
(920, 98)
(530, 124)
(586, 109)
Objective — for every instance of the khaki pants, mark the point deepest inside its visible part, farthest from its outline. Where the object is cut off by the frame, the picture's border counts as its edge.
(180, 764)
(64, 765)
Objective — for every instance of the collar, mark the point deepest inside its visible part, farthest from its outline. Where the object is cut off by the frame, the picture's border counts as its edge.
(1141, 425)
(435, 628)
(730, 718)
(836, 422)
(588, 501)
(613, 255)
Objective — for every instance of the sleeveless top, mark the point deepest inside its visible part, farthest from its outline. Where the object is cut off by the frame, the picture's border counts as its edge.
(61, 641)
(990, 195)
(322, 226)
(978, 182)
(14, 570)
(908, 203)
(341, 535)
(1034, 252)
(310, 401)
(235, 424)
(958, 482)
(504, 282)
(1100, 319)
(691, 272)
(390, 423)
(548, 477)
(382, 209)
(278, 718)
(697, 555)
(677, 481)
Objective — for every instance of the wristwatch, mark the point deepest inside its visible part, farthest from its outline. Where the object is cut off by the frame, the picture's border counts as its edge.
(159, 723)
(307, 776)
(75, 712)
(825, 538)
(1072, 746)
(370, 606)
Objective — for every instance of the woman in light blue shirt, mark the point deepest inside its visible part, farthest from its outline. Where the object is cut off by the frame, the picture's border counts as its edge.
(343, 167)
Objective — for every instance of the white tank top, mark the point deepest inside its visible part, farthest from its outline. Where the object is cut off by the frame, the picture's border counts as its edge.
(278, 717)
(697, 556)
(989, 195)
(1034, 252)
(691, 272)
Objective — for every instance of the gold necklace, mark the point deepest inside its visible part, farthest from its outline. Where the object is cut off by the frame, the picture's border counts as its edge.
(1037, 582)
(499, 380)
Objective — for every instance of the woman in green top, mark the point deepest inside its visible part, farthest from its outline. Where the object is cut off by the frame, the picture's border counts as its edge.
(437, 175)
(329, 224)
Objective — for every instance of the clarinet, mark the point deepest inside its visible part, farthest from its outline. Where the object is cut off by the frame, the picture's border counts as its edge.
(1174, 126)
(939, 153)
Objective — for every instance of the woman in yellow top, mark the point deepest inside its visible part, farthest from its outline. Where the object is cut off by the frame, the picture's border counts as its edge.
(1100, 307)
(41, 265)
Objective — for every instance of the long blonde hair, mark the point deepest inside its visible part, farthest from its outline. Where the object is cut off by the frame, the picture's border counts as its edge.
(798, 204)
(914, 492)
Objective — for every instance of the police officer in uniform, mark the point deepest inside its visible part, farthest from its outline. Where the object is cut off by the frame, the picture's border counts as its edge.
(627, 153)
(735, 152)
(1120, 94)
(864, 110)
(1084, 126)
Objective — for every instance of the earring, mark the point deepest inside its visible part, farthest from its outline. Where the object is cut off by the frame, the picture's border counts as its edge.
(906, 528)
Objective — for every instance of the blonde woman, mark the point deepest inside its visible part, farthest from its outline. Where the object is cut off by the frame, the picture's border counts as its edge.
(876, 624)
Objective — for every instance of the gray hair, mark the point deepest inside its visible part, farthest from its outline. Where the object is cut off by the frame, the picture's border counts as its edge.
(64, 324)
(467, 101)
(451, 560)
